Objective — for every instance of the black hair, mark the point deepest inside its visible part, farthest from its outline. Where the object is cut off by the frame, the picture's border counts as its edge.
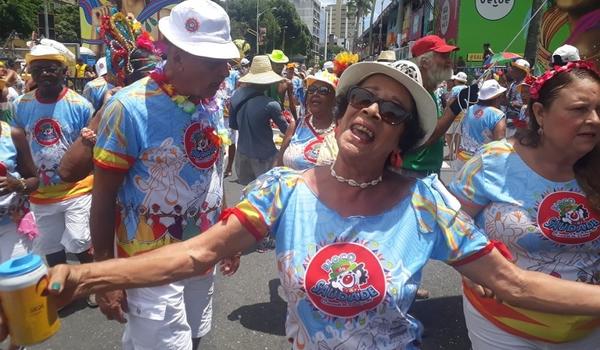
(413, 132)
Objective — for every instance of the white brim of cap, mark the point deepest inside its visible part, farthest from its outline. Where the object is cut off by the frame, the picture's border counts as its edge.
(261, 78)
(426, 107)
(225, 51)
(311, 79)
(498, 93)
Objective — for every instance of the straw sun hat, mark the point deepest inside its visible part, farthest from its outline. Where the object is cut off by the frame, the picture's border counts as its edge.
(261, 72)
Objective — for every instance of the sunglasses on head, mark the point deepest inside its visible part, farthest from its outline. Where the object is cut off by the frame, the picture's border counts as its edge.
(321, 90)
(390, 112)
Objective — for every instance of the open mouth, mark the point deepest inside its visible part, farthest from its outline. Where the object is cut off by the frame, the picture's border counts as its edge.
(363, 133)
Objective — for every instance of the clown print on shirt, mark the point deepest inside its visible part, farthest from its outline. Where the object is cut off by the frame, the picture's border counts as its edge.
(549, 227)
(173, 189)
(350, 281)
(51, 128)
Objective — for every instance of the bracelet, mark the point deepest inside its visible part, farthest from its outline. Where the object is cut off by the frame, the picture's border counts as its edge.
(88, 135)
(23, 185)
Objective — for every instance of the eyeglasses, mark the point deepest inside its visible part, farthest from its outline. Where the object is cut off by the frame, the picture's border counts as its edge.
(390, 112)
(321, 90)
(52, 69)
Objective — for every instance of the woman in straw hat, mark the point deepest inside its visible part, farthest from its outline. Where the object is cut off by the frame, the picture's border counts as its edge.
(482, 123)
(539, 193)
(352, 238)
(302, 142)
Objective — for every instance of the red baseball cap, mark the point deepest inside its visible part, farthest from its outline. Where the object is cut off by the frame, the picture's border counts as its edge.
(431, 43)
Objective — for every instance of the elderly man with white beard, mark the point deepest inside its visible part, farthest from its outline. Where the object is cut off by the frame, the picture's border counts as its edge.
(432, 55)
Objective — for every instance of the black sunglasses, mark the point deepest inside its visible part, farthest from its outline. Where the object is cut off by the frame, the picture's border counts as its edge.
(390, 112)
(321, 90)
(51, 69)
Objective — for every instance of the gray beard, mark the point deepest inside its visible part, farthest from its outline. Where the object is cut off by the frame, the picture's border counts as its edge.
(437, 76)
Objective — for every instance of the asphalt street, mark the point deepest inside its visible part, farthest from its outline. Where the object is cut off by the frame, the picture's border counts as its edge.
(249, 309)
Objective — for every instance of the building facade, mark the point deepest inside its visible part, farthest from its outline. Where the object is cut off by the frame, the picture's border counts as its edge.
(310, 13)
(342, 24)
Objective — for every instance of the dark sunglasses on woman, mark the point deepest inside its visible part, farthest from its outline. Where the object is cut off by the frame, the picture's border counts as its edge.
(390, 112)
(321, 90)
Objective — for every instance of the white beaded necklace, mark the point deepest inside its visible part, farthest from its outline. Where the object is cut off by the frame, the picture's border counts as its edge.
(327, 130)
(352, 182)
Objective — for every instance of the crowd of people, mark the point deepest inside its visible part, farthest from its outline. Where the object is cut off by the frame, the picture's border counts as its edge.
(342, 166)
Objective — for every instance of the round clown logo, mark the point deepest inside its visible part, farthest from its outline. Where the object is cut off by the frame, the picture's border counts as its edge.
(192, 25)
(311, 151)
(345, 279)
(565, 217)
(47, 132)
(478, 113)
(201, 145)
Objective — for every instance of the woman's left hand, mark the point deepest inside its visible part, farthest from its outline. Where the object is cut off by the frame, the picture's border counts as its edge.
(229, 266)
(9, 184)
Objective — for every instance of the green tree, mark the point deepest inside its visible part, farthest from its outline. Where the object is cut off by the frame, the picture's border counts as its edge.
(279, 16)
(66, 23)
(360, 7)
(20, 16)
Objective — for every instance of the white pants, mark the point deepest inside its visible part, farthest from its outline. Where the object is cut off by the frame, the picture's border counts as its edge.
(63, 226)
(12, 243)
(168, 317)
(484, 335)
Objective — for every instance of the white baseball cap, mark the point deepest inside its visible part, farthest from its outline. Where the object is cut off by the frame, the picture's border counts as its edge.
(201, 28)
(100, 66)
(490, 89)
(408, 75)
(565, 54)
(460, 76)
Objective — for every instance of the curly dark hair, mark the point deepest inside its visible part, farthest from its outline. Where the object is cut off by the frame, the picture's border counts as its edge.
(587, 167)
(413, 132)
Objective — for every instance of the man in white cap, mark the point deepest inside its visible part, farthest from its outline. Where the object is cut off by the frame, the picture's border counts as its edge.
(563, 55)
(159, 175)
(95, 89)
(53, 116)
(251, 115)
(517, 71)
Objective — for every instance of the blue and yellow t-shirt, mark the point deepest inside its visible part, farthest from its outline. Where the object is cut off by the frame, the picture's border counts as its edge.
(548, 226)
(173, 188)
(94, 91)
(477, 128)
(349, 278)
(51, 128)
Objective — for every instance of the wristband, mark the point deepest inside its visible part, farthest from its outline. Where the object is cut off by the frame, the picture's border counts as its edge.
(88, 135)
(23, 185)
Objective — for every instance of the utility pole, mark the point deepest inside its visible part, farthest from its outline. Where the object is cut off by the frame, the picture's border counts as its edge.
(326, 34)
(257, 47)
(283, 39)
(46, 25)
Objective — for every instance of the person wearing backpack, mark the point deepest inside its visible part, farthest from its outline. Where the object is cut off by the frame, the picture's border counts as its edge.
(251, 114)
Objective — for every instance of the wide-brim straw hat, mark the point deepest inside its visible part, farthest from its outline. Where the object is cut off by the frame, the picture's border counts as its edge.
(408, 75)
(387, 56)
(261, 72)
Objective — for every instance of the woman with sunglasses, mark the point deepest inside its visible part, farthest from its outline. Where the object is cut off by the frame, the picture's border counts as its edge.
(352, 238)
(302, 142)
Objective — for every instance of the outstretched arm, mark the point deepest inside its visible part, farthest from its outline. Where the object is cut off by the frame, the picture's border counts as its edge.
(167, 264)
(532, 290)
